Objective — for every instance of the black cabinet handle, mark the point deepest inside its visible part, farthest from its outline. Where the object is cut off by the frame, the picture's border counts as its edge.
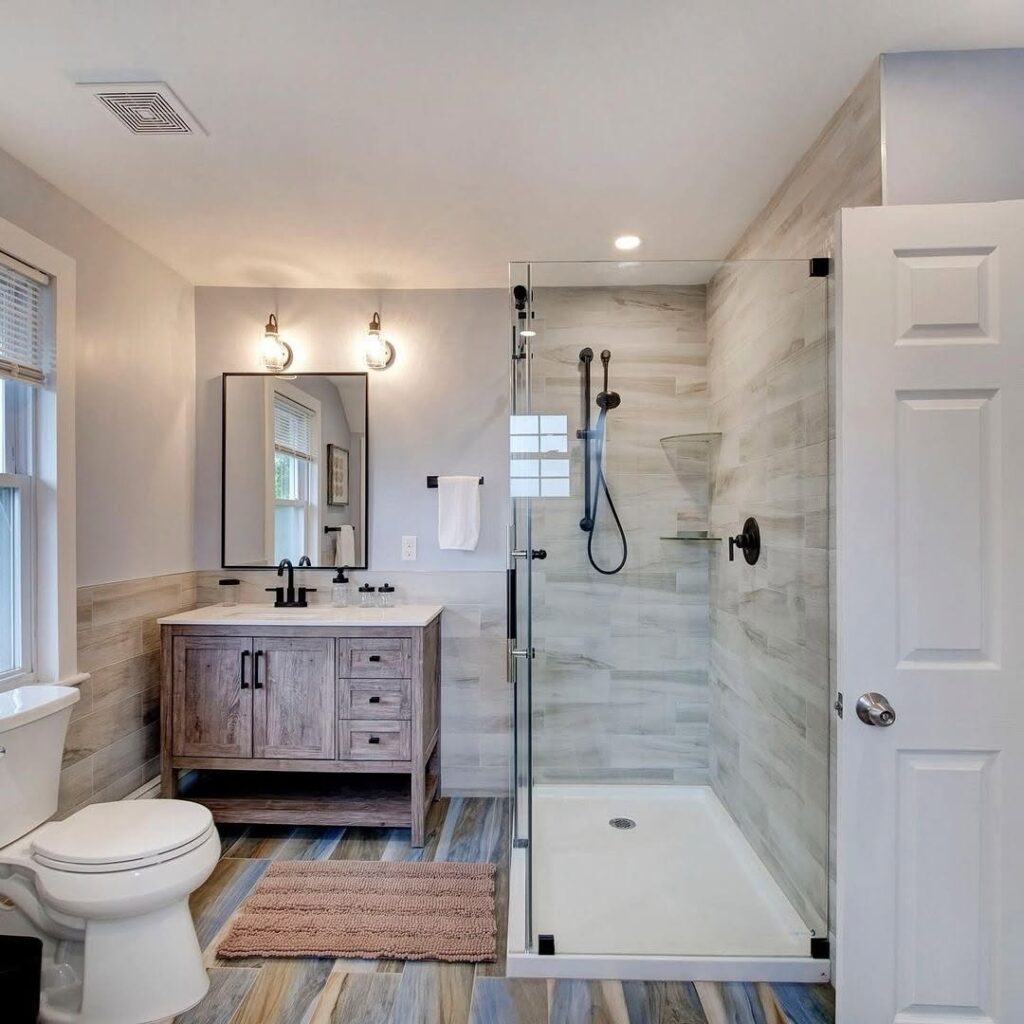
(374, 657)
(245, 655)
(256, 684)
(373, 739)
(375, 700)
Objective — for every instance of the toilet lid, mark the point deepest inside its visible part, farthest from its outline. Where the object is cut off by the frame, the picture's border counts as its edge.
(129, 830)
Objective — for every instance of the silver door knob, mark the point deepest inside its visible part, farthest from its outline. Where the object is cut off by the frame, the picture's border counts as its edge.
(874, 709)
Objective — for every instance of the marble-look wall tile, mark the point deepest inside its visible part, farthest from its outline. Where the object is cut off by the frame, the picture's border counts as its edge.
(476, 712)
(620, 689)
(770, 394)
(112, 745)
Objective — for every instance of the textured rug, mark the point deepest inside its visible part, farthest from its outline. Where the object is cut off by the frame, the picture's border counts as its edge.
(392, 910)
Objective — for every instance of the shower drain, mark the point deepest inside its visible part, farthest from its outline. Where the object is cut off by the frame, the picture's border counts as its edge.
(622, 823)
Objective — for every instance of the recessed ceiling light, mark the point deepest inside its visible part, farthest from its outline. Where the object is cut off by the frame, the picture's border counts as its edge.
(627, 242)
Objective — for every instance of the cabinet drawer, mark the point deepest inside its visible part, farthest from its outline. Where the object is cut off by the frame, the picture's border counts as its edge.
(373, 698)
(377, 658)
(373, 741)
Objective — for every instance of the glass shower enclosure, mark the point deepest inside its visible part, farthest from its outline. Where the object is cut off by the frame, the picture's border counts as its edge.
(669, 631)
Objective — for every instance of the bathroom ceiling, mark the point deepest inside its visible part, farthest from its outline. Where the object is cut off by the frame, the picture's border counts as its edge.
(382, 143)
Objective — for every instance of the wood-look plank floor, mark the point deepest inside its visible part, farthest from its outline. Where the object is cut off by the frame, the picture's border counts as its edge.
(310, 991)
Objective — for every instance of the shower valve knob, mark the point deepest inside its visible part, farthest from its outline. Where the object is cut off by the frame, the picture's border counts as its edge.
(539, 553)
(748, 541)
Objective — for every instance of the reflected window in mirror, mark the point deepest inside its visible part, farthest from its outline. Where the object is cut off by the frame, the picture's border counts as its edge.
(295, 470)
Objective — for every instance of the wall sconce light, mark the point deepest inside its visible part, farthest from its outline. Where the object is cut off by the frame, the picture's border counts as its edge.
(380, 353)
(277, 353)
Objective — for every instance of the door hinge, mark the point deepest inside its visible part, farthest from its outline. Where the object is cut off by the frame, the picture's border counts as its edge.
(546, 945)
(839, 705)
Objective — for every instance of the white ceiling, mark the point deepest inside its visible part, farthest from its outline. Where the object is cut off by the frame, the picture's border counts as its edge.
(394, 143)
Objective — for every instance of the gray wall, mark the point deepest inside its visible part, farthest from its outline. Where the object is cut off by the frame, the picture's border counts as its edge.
(134, 395)
(440, 409)
(952, 126)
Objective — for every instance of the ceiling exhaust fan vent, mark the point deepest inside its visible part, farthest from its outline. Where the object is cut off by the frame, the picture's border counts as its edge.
(146, 108)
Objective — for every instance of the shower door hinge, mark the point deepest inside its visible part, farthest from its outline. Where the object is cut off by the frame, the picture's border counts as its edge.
(521, 843)
(839, 705)
(546, 945)
(820, 949)
(820, 266)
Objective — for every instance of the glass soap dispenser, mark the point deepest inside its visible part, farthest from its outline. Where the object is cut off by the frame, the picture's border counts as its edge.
(387, 596)
(367, 596)
(341, 590)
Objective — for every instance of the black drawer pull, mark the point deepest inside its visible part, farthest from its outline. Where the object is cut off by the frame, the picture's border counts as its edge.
(375, 700)
(374, 657)
(373, 739)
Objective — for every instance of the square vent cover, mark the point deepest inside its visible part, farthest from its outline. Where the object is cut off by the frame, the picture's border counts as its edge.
(146, 108)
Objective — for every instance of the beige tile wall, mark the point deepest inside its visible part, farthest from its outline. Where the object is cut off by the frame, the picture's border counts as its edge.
(112, 745)
(771, 676)
(620, 678)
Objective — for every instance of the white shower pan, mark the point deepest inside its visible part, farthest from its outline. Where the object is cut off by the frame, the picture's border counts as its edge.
(680, 896)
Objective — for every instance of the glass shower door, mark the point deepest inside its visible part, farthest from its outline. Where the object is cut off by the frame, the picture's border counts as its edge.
(672, 698)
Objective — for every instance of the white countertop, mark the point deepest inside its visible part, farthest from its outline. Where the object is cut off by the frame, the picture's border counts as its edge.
(315, 615)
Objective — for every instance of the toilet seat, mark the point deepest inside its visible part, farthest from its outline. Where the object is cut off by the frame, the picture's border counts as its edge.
(123, 836)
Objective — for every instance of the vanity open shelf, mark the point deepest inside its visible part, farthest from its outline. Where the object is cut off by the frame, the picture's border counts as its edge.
(329, 717)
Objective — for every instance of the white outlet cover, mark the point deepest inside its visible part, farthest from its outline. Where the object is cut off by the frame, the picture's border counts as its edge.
(408, 549)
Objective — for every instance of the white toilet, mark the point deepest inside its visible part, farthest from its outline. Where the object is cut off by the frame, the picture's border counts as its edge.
(106, 889)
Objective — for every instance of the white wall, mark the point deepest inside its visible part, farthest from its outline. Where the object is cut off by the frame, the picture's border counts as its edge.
(135, 367)
(952, 126)
(440, 408)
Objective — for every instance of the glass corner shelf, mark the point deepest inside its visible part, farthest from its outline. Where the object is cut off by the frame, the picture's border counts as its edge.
(691, 535)
(707, 438)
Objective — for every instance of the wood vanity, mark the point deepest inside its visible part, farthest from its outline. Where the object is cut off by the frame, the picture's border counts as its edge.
(314, 716)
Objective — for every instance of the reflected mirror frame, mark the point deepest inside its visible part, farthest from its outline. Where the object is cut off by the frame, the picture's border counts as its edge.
(223, 465)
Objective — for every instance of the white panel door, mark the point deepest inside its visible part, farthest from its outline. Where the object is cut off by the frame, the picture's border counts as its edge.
(930, 606)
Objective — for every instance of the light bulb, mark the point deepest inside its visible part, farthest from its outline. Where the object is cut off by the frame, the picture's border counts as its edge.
(627, 242)
(277, 354)
(380, 353)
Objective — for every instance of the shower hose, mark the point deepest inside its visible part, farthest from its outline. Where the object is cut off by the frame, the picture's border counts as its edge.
(601, 484)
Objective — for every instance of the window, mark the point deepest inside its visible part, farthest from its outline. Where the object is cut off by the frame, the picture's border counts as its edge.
(294, 479)
(535, 469)
(26, 354)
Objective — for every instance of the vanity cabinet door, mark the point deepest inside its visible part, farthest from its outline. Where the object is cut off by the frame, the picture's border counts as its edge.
(212, 696)
(293, 697)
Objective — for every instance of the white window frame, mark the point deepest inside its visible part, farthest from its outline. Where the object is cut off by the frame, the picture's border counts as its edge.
(277, 386)
(53, 601)
(25, 671)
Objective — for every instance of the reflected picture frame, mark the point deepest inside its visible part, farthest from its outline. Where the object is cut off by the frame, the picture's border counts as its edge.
(337, 476)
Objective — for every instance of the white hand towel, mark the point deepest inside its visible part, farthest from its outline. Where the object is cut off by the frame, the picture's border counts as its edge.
(458, 512)
(345, 548)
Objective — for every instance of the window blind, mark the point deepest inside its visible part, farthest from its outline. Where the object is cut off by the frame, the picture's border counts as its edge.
(26, 344)
(293, 425)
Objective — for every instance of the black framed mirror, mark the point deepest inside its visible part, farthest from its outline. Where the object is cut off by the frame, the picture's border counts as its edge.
(295, 470)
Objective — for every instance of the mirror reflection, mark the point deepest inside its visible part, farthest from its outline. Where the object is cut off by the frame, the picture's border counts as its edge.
(295, 470)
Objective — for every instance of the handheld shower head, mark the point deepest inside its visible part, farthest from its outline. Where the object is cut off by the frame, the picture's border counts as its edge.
(519, 296)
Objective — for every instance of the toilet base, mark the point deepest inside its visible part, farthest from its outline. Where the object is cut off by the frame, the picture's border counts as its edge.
(157, 951)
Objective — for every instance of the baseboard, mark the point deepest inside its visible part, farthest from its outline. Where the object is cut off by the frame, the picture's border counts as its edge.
(147, 791)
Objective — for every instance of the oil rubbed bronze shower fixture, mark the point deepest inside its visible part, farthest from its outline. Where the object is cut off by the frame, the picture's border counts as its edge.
(748, 541)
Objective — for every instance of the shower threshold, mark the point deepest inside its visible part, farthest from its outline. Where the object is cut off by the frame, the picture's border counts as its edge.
(678, 895)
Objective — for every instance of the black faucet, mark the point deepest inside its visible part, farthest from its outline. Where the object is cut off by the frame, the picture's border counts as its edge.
(286, 598)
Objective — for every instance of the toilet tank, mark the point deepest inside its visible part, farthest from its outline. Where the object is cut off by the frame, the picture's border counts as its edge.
(33, 724)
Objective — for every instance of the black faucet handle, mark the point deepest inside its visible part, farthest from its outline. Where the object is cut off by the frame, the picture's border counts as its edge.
(278, 593)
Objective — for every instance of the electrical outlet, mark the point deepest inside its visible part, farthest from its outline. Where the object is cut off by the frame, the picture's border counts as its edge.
(408, 549)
